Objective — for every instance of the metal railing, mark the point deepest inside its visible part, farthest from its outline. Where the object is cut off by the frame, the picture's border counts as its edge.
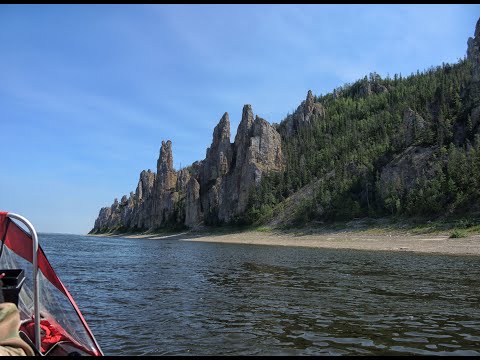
(36, 284)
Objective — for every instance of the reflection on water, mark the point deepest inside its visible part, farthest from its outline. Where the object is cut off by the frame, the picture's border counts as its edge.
(184, 298)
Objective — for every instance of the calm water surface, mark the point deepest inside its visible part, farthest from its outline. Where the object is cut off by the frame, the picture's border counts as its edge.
(169, 297)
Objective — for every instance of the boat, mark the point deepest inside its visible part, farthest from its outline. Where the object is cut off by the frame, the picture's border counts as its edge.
(50, 320)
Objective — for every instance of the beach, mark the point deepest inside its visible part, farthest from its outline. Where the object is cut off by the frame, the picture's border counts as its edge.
(432, 243)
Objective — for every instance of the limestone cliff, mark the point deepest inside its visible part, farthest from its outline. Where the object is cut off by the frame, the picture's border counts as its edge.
(257, 150)
(210, 191)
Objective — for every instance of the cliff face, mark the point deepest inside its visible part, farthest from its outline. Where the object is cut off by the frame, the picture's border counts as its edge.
(210, 191)
(256, 150)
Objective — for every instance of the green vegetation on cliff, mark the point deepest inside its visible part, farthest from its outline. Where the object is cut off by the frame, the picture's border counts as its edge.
(395, 146)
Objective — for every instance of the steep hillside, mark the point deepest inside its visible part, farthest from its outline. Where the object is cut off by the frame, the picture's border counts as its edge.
(408, 146)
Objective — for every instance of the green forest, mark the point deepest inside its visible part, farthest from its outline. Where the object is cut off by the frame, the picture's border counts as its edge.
(402, 146)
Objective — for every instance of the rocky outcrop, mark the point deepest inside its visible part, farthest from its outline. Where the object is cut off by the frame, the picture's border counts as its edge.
(213, 190)
(264, 151)
(367, 88)
(400, 175)
(167, 176)
(258, 150)
(379, 89)
(473, 52)
(145, 185)
(219, 154)
(142, 199)
(103, 220)
(183, 176)
(310, 107)
(413, 126)
(243, 133)
(303, 115)
(193, 212)
(165, 184)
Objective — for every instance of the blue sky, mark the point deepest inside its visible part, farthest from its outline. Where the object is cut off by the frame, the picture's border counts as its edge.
(88, 92)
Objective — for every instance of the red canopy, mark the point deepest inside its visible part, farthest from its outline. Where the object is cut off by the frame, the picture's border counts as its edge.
(17, 240)
(21, 243)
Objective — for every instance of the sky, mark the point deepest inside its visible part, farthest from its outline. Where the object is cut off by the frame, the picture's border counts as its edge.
(88, 92)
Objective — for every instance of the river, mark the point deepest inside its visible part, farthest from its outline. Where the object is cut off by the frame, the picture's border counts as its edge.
(170, 297)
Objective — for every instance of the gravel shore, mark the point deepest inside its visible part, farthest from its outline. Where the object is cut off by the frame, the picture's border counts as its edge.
(439, 243)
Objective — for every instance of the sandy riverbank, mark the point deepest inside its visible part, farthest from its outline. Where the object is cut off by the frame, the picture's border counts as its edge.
(439, 243)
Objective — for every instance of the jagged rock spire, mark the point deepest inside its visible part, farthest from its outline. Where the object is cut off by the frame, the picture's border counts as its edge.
(219, 154)
(308, 108)
(166, 175)
(244, 126)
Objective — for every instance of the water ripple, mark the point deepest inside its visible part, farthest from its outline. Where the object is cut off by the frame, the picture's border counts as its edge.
(144, 297)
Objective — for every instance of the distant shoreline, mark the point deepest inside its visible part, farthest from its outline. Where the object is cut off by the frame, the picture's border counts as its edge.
(354, 239)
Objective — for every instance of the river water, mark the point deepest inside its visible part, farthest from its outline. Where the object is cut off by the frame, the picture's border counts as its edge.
(170, 297)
